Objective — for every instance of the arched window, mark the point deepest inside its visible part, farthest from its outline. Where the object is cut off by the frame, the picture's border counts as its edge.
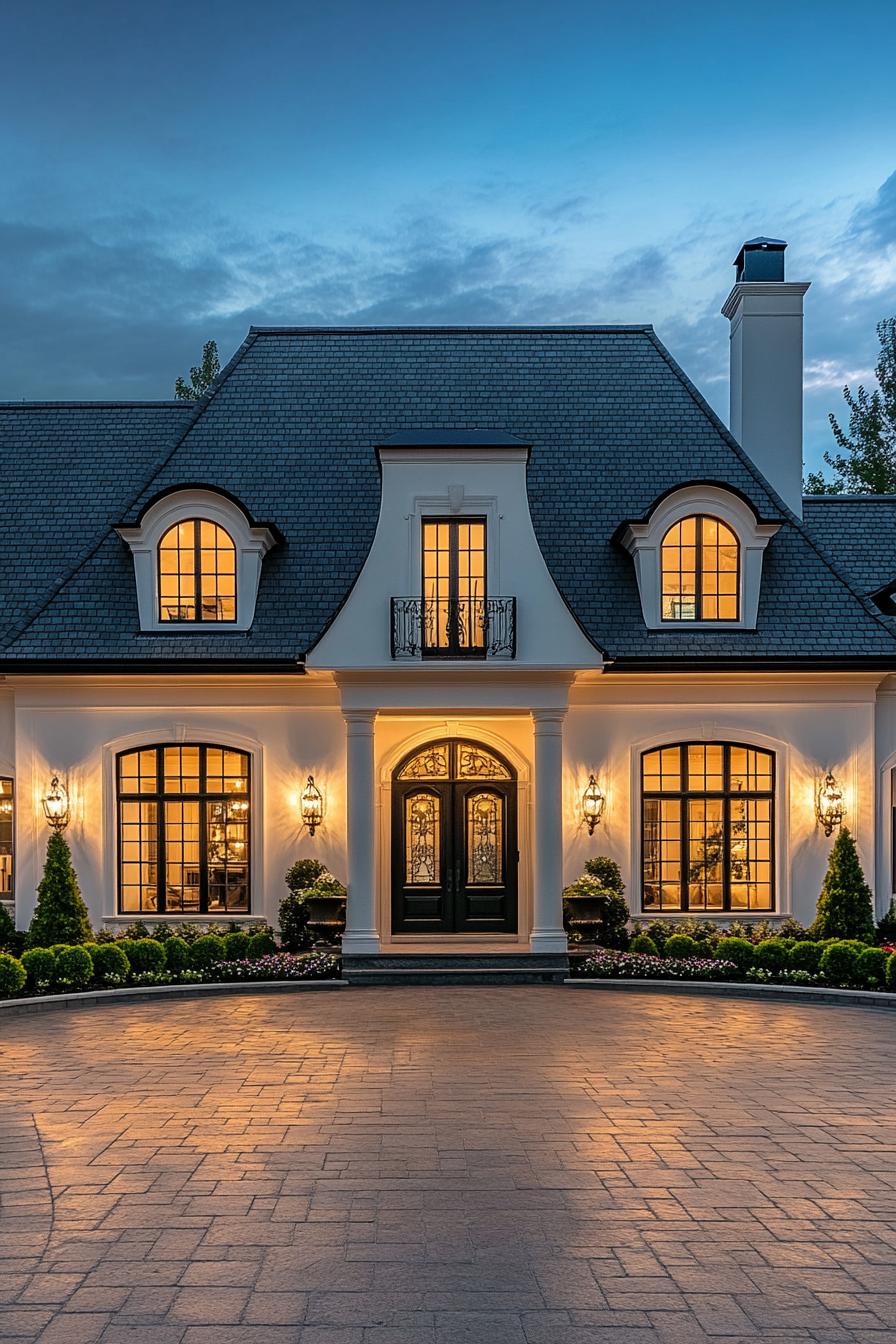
(708, 827)
(197, 573)
(7, 832)
(700, 564)
(184, 815)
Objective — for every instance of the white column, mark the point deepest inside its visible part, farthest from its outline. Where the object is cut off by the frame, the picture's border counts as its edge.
(361, 937)
(548, 934)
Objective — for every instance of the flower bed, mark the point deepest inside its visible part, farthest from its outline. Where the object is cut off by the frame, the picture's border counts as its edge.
(142, 963)
(839, 964)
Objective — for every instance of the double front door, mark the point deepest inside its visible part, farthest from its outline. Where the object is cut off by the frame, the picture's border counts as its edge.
(454, 845)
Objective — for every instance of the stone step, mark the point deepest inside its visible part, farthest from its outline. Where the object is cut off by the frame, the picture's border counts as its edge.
(520, 968)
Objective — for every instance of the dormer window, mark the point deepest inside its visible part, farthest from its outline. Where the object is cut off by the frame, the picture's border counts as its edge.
(197, 562)
(700, 570)
(197, 572)
(698, 559)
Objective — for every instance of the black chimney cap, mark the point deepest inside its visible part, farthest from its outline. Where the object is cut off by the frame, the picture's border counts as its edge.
(761, 259)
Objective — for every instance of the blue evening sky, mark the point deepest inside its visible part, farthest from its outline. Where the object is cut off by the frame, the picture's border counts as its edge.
(173, 172)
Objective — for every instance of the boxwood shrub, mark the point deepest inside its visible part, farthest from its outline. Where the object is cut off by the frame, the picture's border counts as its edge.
(680, 946)
(642, 942)
(236, 946)
(771, 955)
(110, 963)
(871, 968)
(805, 956)
(40, 967)
(262, 944)
(12, 975)
(74, 967)
(206, 951)
(839, 963)
(146, 955)
(177, 955)
(891, 971)
(738, 950)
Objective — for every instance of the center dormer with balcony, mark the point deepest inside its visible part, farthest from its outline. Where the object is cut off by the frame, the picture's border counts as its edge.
(455, 574)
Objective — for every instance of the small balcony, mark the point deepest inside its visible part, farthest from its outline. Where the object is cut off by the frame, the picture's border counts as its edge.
(468, 628)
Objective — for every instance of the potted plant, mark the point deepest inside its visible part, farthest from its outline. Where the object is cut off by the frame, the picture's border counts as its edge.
(293, 915)
(325, 903)
(594, 907)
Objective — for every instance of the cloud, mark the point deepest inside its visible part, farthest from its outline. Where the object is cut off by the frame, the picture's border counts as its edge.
(874, 222)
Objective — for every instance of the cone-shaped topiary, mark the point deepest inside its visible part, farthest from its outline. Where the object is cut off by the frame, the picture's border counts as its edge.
(60, 915)
(845, 906)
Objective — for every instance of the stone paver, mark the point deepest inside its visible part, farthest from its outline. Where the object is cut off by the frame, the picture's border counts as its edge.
(447, 1165)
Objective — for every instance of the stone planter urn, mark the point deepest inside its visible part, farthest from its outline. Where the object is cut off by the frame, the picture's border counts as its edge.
(325, 902)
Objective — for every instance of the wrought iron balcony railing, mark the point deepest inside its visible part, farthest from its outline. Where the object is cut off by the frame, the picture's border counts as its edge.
(476, 627)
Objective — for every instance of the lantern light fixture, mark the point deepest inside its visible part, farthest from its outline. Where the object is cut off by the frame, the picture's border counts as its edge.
(56, 807)
(593, 802)
(829, 807)
(312, 806)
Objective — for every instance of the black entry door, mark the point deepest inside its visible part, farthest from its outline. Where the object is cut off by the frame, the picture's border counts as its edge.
(454, 846)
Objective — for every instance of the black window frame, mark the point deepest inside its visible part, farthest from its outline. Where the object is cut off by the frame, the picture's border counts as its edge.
(203, 797)
(455, 648)
(699, 519)
(10, 780)
(683, 794)
(199, 618)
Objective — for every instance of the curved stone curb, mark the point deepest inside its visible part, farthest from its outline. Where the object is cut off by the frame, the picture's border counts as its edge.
(90, 998)
(855, 998)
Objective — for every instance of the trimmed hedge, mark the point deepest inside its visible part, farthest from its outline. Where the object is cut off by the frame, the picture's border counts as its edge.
(74, 967)
(236, 946)
(806, 956)
(177, 955)
(839, 963)
(737, 950)
(12, 975)
(871, 968)
(771, 955)
(110, 963)
(206, 951)
(40, 967)
(680, 946)
(146, 955)
(261, 944)
(642, 942)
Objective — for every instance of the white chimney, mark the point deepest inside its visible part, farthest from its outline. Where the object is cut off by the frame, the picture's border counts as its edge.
(766, 316)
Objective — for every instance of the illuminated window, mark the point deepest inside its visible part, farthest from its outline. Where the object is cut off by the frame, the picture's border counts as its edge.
(700, 562)
(7, 831)
(454, 608)
(183, 830)
(197, 573)
(707, 811)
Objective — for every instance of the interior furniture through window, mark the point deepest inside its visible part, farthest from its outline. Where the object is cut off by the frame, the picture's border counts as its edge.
(700, 571)
(454, 606)
(197, 573)
(7, 834)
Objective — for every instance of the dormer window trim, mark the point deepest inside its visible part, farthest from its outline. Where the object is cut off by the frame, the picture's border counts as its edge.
(643, 539)
(196, 504)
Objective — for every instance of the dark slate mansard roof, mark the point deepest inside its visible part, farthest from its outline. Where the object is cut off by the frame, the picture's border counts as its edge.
(290, 430)
(859, 533)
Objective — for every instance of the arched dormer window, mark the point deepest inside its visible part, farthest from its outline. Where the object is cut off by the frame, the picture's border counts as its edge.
(197, 561)
(197, 572)
(700, 560)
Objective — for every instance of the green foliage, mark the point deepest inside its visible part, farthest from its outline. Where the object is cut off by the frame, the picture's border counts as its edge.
(642, 942)
(839, 963)
(771, 955)
(871, 968)
(866, 464)
(126, 945)
(74, 967)
(236, 946)
(293, 915)
(805, 956)
(201, 376)
(139, 930)
(60, 915)
(40, 966)
(660, 930)
(146, 955)
(190, 933)
(206, 951)
(792, 928)
(9, 937)
(845, 906)
(104, 936)
(261, 945)
(681, 945)
(12, 976)
(303, 874)
(886, 926)
(594, 907)
(891, 971)
(738, 950)
(177, 955)
(162, 932)
(110, 963)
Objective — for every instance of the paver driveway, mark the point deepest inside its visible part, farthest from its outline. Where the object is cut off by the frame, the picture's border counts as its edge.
(394, 1166)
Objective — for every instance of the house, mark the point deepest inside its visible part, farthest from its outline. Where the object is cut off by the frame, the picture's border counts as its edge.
(451, 609)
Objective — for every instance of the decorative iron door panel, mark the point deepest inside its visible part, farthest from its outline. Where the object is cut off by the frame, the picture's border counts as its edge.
(454, 855)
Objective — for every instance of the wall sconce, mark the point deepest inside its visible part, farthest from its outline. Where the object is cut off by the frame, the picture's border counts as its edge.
(593, 801)
(312, 806)
(829, 808)
(55, 803)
